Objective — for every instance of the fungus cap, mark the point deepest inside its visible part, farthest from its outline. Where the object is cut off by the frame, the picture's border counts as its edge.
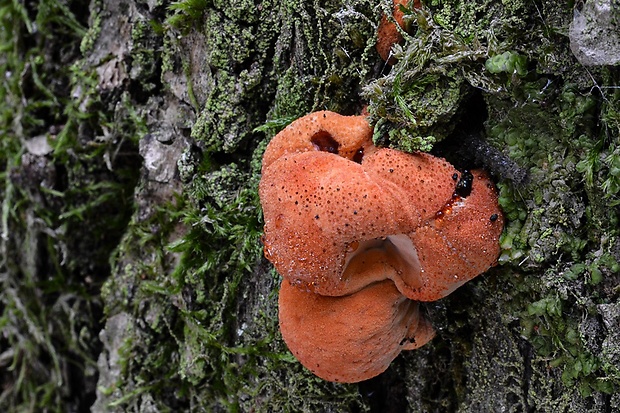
(321, 131)
(461, 242)
(325, 205)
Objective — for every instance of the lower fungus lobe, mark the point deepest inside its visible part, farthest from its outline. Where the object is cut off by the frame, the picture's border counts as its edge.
(323, 141)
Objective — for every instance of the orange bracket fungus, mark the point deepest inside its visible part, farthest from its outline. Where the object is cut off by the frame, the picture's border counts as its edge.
(360, 235)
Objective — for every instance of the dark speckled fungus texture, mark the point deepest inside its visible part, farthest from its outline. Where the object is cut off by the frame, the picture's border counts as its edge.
(360, 235)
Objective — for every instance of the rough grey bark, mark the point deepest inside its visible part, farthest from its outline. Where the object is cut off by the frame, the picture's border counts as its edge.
(132, 270)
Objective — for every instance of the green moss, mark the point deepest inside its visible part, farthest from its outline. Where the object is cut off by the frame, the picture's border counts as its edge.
(186, 13)
(453, 47)
(94, 29)
(421, 95)
(64, 207)
(507, 62)
(554, 326)
(551, 223)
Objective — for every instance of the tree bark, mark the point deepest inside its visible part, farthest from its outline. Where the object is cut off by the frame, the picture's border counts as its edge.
(132, 270)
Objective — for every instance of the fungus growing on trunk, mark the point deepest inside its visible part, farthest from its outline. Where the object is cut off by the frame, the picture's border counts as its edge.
(360, 234)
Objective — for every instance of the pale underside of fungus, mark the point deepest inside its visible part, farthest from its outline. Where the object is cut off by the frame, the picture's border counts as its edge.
(360, 235)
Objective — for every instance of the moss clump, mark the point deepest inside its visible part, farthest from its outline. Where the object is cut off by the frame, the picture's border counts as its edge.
(67, 195)
(507, 62)
(559, 225)
(453, 49)
(419, 99)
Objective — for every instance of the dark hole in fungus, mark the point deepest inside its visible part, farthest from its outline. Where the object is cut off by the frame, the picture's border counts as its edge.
(494, 217)
(463, 187)
(359, 155)
(325, 142)
(407, 340)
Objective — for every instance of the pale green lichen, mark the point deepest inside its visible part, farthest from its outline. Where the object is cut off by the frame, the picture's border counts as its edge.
(94, 29)
(507, 62)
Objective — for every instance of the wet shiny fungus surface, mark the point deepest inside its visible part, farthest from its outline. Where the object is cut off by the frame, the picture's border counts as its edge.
(361, 233)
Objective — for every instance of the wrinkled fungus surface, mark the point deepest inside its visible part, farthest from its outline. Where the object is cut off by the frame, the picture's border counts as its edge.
(360, 235)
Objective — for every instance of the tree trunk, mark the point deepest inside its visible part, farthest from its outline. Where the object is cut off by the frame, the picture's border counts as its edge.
(132, 132)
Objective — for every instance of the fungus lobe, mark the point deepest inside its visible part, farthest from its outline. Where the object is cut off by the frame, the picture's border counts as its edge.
(353, 337)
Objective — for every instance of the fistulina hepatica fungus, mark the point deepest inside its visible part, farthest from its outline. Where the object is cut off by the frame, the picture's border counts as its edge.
(361, 235)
